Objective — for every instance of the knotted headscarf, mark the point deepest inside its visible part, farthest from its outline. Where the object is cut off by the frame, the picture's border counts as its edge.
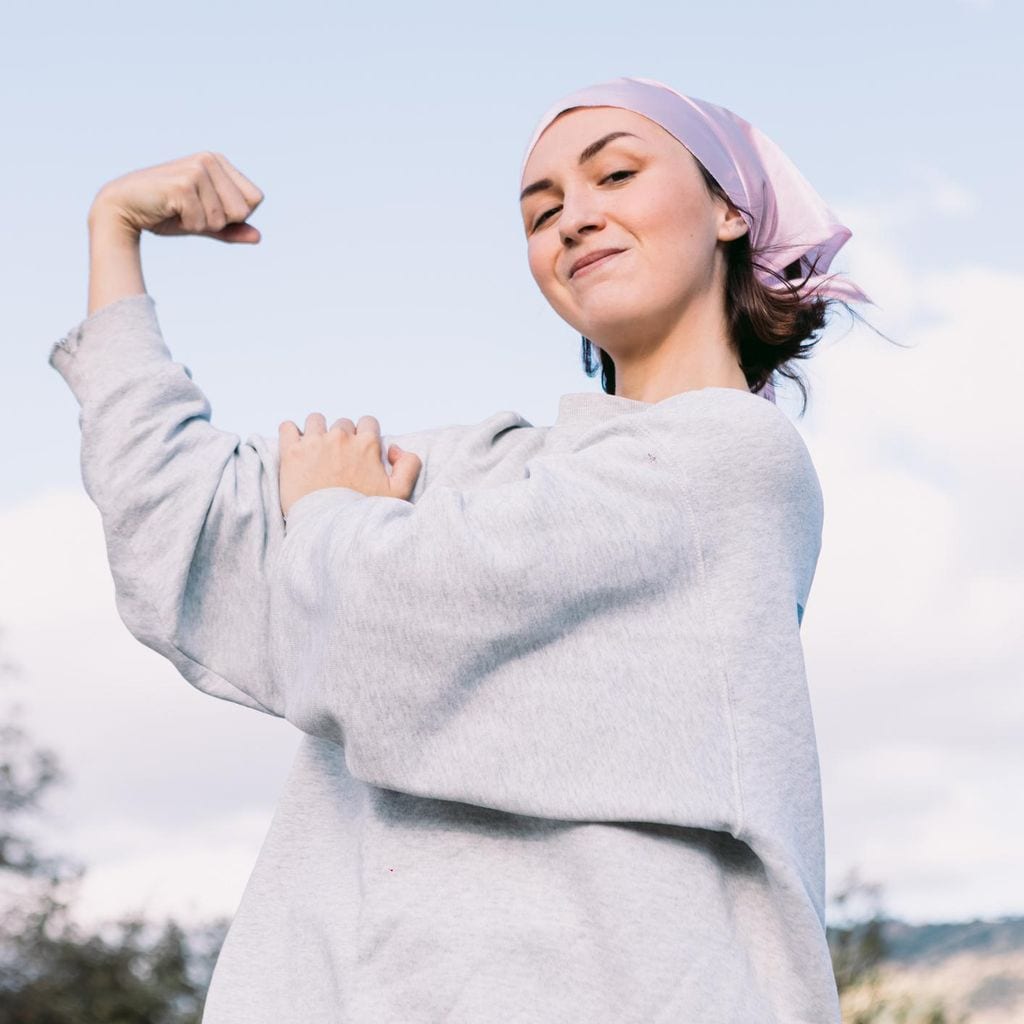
(787, 220)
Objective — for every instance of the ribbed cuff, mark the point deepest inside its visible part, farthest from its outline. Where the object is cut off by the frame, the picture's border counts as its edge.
(109, 344)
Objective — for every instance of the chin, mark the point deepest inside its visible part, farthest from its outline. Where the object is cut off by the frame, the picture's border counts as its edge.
(609, 319)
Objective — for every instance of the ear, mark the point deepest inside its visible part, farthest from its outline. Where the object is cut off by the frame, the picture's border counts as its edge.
(732, 225)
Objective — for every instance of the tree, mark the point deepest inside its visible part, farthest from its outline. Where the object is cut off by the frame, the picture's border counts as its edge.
(859, 949)
(52, 971)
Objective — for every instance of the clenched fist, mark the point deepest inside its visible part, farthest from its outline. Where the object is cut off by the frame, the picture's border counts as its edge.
(347, 455)
(200, 194)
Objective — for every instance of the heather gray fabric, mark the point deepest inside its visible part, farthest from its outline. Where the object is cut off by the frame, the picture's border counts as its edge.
(559, 761)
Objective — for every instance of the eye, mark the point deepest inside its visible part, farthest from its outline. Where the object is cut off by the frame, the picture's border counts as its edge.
(540, 220)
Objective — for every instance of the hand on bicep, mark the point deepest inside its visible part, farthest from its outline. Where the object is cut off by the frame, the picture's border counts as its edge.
(347, 455)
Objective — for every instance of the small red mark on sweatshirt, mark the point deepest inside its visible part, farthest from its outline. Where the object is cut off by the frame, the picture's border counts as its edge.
(391, 869)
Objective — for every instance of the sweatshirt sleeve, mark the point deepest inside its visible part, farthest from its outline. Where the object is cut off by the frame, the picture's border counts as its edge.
(537, 647)
(191, 514)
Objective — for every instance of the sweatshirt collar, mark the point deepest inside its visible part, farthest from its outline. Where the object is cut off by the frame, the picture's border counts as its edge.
(585, 407)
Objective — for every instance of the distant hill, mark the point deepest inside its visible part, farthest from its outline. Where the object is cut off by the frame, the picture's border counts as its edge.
(974, 969)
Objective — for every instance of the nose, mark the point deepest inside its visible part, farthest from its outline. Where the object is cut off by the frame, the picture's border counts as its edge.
(581, 212)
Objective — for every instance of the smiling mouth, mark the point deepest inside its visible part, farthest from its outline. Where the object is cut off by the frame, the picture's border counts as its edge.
(596, 263)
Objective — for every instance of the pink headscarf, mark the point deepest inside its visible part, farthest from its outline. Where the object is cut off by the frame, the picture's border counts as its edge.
(785, 210)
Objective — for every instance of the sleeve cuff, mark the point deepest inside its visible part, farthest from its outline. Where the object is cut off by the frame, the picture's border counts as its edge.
(109, 344)
(322, 502)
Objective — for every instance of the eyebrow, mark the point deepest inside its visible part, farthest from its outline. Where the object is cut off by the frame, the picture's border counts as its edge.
(591, 151)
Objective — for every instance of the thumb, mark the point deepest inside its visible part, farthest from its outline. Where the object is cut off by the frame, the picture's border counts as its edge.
(238, 233)
(405, 468)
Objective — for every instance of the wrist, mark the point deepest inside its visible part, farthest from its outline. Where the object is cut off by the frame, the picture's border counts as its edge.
(107, 220)
(115, 257)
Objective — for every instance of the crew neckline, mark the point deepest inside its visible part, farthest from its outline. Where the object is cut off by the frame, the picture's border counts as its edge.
(591, 406)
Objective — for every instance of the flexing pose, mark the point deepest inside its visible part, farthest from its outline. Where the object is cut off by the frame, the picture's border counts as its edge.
(559, 761)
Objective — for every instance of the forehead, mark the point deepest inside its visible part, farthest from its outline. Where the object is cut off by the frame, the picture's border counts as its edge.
(568, 134)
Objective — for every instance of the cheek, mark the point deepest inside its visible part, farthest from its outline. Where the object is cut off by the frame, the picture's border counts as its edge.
(533, 258)
(666, 215)
(541, 262)
(680, 237)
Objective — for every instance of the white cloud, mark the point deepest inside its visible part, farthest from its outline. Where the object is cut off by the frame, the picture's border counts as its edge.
(190, 873)
(913, 630)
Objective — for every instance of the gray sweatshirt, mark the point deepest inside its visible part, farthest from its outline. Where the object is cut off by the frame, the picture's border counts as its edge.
(558, 759)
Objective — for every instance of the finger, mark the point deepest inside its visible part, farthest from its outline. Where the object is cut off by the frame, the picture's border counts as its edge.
(405, 469)
(235, 206)
(287, 433)
(253, 195)
(344, 423)
(234, 203)
(190, 208)
(248, 233)
(213, 208)
(316, 423)
(368, 425)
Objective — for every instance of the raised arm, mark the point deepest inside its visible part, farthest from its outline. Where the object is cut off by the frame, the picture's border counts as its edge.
(188, 510)
(191, 513)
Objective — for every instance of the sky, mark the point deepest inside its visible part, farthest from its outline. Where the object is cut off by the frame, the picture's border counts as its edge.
(392, 280)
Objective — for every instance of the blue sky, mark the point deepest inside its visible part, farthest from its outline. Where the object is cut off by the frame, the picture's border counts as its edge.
(392, 280)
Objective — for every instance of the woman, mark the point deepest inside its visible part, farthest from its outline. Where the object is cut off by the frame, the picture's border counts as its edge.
(558, 760)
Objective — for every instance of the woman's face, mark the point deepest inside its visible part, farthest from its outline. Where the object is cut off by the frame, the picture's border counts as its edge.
(642, 193)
